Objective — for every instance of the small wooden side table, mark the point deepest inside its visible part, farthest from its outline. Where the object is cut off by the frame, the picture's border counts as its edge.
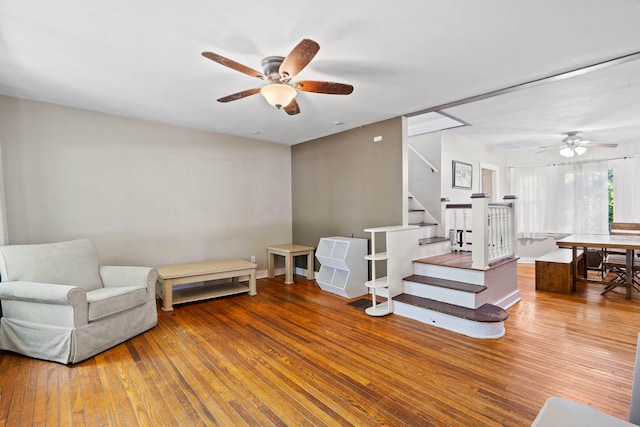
(289, 251)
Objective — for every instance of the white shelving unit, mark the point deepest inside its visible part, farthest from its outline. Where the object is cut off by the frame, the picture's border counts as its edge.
(402, 243)
(343, 270)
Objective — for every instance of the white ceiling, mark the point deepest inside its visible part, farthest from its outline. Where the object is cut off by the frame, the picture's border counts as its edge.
(143, 59)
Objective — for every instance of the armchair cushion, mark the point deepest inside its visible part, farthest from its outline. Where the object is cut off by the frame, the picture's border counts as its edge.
(73, 263)
(107, 301)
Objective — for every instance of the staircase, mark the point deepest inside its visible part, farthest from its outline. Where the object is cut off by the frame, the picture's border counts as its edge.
(446, 292)
(419, 216)
(464, 284)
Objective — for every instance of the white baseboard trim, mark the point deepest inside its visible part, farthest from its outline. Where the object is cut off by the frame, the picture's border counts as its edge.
(263, 274)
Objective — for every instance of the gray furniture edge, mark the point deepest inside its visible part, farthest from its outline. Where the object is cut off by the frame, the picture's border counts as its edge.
(566, 413)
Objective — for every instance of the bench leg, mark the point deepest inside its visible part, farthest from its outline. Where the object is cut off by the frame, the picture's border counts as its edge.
(167, 295)
(310, 265)
(270, 262)
(252, 282)
(288, 265)
(574, 267)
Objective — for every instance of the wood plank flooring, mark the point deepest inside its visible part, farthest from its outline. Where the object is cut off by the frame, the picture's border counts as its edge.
(295, 355)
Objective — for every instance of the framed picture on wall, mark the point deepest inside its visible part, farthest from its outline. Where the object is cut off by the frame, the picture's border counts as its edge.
(462, 173)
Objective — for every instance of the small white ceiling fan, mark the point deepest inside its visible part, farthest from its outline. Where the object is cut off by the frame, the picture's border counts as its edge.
(573, 144)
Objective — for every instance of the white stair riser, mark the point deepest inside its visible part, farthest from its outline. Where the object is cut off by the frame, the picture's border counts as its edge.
(489, 330)
(416, 217)
(475, 277)
(428, 231)
(432, 249)
(414, 204)
(437, 293)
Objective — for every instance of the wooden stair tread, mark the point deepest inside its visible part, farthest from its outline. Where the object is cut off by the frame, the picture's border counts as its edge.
(428, 240)
(445, 283)
(461, 260)
(486, 313)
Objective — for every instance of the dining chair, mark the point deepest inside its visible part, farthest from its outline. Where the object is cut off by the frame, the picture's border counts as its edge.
(615, 263)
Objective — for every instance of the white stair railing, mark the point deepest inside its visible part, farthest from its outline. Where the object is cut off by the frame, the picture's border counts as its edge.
(491, 226)
(426, 161)
(458, 223)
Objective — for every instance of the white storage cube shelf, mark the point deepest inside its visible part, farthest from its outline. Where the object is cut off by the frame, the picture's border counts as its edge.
(343, 270)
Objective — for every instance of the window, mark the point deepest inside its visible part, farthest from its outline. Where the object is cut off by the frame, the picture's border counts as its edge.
(562, 199)
(625, 189)
(611, 194)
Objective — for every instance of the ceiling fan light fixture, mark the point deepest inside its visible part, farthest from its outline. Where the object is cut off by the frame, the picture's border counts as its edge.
(567, 152)
(278, 94)
(580, 150)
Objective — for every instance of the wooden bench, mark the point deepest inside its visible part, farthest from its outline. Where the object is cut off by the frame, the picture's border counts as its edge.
(180, 274)
(553, 271)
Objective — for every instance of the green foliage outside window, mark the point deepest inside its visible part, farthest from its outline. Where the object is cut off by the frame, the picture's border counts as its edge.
(610, 197)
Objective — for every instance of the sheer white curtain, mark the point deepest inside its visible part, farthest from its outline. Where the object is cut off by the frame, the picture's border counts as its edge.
(564, 199)
(532, 184)
(584, 206)
(626, 189)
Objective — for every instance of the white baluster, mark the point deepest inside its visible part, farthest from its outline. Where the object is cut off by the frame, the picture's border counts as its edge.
(454, 241)
(463, 239)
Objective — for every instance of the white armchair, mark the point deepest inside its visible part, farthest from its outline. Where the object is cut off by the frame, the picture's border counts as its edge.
(59, 304)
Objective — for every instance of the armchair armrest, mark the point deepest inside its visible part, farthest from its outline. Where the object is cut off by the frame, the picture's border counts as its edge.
(129, 276)
(46, 293)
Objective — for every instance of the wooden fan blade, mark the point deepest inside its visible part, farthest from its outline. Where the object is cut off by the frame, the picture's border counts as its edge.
(239, 95)
(331, 88)
(299, 58)
(233, 64)
(293, 108)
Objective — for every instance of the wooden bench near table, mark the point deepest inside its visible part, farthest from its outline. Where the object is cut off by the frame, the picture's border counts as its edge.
(554, 271)
(180, 274)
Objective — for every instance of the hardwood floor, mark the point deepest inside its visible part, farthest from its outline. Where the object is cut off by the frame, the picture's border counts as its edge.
(295, 355)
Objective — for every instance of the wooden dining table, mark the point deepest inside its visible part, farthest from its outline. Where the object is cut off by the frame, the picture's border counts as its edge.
(601, 241)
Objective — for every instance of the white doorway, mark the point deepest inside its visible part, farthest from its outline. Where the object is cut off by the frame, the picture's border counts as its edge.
(489, 181)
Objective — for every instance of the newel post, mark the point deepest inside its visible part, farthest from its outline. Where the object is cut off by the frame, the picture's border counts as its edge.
(513, 221)
(480, 233)
(444, 218)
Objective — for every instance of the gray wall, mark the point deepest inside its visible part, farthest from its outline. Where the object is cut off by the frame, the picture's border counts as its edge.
(146, 193)
(345, 183)
(455, 147)
(424, 183)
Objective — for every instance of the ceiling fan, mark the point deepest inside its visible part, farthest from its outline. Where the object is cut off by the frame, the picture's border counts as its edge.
(573, 144)
(278, 71)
